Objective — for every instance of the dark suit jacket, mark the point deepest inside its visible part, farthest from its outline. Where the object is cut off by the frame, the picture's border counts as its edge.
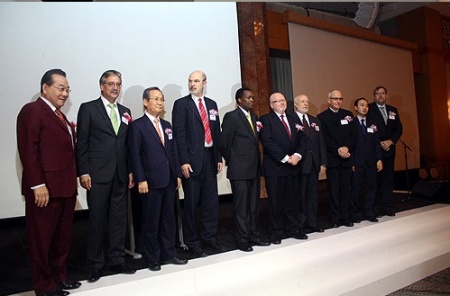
(316, 151)
(392, 131)
(367, 150)
(277, 145)
(99, 150)
(240, 146)
(338, 134)
(46, 150)
(149, 160)
(189, 132)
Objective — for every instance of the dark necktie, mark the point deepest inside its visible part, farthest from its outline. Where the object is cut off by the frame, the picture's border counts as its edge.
(288, 131)
(363, 126)
(60, 116)
(383, 112)
(205, 121)
(306, 125)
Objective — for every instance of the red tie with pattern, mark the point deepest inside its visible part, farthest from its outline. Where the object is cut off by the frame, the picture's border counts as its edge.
(288, 131)
(60, 116)
(205, 121)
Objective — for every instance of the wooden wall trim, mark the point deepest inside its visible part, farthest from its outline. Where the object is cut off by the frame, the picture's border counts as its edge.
(295, 18)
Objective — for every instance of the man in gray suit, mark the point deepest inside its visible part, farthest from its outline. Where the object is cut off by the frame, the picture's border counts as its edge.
(314, 162)
(240, 148)
(102, 162)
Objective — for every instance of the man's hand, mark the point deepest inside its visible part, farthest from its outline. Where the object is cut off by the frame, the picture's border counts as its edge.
(143, 187)
(219, 167)
(85, 182)
(41, 196)
(186, 170)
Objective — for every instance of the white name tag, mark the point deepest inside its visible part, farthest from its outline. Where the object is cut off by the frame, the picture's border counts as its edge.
(169, 136)
(344, 121)
(370, 130)
(392, 117)
(212, 117)
(124, 120)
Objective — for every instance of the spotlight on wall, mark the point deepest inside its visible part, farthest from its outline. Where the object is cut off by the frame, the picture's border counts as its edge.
(367, 13)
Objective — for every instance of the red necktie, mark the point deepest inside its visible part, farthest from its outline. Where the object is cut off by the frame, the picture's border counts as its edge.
(285, 126)
(205, 121)
(60, 116)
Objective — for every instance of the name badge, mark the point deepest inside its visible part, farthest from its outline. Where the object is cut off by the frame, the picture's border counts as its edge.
(124, 120)
(344, 121)
(169, 136)
(392, 117)
(370, 130)
(212, 117)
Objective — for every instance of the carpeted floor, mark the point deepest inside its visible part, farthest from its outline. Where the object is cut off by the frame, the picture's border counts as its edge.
(15, 271)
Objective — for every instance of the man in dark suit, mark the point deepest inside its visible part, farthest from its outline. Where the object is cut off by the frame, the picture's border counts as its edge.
(283, 151)
(46, 142)
(102, 161)
(390, 128)
(340, 137)
(367, 161)
(313, 164)
(240, 147)
(156, 169)
(196, 127)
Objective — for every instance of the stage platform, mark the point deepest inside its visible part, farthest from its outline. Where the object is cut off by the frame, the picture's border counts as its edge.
(367, 259)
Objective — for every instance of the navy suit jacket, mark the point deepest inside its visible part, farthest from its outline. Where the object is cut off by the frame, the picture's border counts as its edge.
(150, 160)
(367, 149)
(316, 151)
(99, 150)
(277, 145)
(392, 130)
(189, 132)
(337, 132)
(240, 146)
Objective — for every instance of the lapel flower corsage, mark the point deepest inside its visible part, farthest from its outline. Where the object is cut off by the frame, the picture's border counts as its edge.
(213, 112)
(73, 124)
(168, 131)
(299, 127)
(373, 127)
(349, 118)
(315, 126)
(127, 117)
(259, 126)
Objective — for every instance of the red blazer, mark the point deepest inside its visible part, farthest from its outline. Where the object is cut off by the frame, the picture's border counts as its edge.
(47, 151)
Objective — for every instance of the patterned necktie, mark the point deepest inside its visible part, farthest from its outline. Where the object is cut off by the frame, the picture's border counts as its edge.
(250, 121)
(288, 131)
(156, 123)
(383, 112)
(363, 126)
(113, 117)
(306, 125)
(205, 121)
(60, 116)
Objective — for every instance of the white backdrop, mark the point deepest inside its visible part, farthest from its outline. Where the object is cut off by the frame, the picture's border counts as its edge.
(151, 44)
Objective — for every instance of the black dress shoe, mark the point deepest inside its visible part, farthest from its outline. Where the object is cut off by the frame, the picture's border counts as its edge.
(67, 285)
(56, 292)
(356, 220)
(390, 214)
(276, 240)
(154, 266)
(335, 225)
(347, 224)
(372, 219)
(94, 275)
(197, 252)
(299, 235)
(245, 247)
(259, 242)
(213, 246)
(122, 268)
(175, 260)
(316, 229)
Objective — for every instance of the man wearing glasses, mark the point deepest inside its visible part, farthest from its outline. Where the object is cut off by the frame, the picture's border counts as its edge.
(283, 150)
(103, 170)
(340, 137)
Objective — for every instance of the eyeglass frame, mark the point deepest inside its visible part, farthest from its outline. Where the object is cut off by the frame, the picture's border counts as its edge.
(62, 88)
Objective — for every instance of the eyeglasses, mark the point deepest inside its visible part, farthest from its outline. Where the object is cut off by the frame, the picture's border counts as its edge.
(62, 89)
(340, 99)
(158, 99)
(278, 101)
(380, 93)
(111, 84)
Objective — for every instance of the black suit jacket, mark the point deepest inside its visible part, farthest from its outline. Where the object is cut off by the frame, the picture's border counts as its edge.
(149, 160)
(277, 145)
(99, 150)
(367, 149)
(189, 132)
(392, 130)
(240, 146)
(316, 151)
(337, 132)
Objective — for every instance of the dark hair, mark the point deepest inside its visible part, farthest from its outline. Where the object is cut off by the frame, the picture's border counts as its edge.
(378, 88)
(146, 93)
(48, 77)
(240, 93)
(359, 99)
(108, 73)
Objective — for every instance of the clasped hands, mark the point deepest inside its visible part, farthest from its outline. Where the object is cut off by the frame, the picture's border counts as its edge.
(294, 159)
(343, 152)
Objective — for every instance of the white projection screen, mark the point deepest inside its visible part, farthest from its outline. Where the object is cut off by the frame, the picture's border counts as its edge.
(322, 61)
(151, 44)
